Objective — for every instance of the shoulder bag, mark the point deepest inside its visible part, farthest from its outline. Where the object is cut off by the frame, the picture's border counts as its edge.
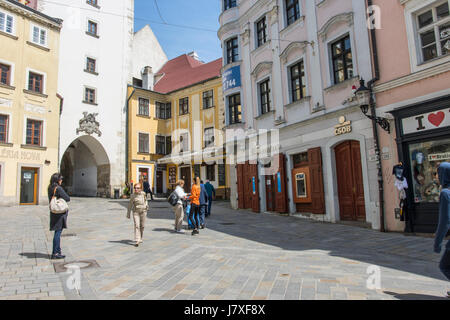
(58, 206)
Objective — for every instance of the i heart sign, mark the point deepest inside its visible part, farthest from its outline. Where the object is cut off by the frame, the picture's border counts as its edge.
(436, 119)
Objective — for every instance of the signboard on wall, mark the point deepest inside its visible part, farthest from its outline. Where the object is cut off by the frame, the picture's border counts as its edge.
(427, 121)
(172, 175)
(231, 78)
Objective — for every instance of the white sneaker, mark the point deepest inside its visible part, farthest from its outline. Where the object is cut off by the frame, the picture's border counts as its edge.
(180, 231)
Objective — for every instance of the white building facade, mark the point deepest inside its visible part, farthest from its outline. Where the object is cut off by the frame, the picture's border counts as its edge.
(96, 63)
(290, 66)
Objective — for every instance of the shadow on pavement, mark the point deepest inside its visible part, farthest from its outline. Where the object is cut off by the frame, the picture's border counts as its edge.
(128, 242)
(414, 296)
(164, 230)
(35, 255)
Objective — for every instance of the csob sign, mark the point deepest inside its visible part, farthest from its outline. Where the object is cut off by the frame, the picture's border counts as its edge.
(427, 121)
(231, 78)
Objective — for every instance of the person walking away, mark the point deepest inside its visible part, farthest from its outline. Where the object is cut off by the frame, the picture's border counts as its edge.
(444, 219)
(147, 188)
(211, 196)
(58, 222)
(195, 199)
(139, 206)
(179, 212)
(203, 204)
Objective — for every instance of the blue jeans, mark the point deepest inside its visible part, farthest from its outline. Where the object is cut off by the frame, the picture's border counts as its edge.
(202, 213)
(445, 264)
(208, 212)
(57, 242)
(193, 215)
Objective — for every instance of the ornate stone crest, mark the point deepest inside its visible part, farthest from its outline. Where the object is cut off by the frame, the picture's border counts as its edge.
(89, 125)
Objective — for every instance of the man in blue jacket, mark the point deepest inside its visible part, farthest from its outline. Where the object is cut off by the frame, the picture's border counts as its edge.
(444, 219)
(211, 191)
(203, 203)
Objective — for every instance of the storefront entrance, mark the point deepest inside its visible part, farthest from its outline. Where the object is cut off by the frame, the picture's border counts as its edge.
(29, 186)
(159, 182)
(350, 181)
(248, 187)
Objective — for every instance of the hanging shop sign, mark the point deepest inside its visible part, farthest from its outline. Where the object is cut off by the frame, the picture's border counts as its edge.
(343, 127)
(427, 121)
(231, 78)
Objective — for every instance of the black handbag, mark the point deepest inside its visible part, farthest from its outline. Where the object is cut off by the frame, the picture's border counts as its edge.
(173, 199)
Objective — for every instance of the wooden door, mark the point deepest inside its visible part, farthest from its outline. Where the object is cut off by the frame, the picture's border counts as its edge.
(270, 193)
(247, 186)
(350, 181)
(281, 204)
(29, 186)
(254, 184)
(240, 185)
(159, 182)
(185, 174)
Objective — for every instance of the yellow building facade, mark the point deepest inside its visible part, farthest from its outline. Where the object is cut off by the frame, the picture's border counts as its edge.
(29, 104)
(185, 138)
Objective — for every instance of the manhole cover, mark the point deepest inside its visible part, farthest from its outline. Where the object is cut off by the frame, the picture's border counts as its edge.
(85, 264)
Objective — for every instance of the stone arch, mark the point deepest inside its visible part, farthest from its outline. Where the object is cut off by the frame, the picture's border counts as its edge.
(86, 168)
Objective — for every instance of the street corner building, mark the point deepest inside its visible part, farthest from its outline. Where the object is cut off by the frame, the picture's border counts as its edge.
(29, 103)
(289, 68)
(175, 122)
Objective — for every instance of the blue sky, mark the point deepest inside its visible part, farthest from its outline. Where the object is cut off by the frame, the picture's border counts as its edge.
(201, 14)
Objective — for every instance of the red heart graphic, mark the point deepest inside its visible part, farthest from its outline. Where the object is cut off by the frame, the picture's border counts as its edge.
(436, 118)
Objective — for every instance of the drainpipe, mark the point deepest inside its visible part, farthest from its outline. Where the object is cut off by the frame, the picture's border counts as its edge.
(372, 103)
(61, 104)
(127, 134)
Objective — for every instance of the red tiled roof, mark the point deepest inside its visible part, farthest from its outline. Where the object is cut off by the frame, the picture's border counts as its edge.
(185, 71)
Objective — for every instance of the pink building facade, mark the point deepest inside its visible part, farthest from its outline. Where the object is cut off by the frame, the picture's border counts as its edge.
(413, 92)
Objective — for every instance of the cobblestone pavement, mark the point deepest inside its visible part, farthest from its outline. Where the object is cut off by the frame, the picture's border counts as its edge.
(240, 255)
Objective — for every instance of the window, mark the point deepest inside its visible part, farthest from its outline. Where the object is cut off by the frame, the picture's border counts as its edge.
(3, 128)
(39, 36)
(300, 158)
(222, 176)
(168, 145)
(292, 11)
(92, 28)
(234, 107)
(144, 143)
(228, 4)
(209, 137)
(144, 107)
(342, 60)
(300, 180)
(5, 74)
(184, 106)
(35, 82)
(434, 32)
(298, 87)
(34, 132)
(211, 173)
(163, 110)
(89, 95)
(264, 96)
(261, 32)
(6, 23)
(208, 99)
(425, 159)
(90, 65)
(184, 142)
(232, 50)
(137, 82)
(160, 145)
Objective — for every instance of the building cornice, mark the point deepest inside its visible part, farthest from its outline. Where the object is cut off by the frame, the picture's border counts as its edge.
(25, 11)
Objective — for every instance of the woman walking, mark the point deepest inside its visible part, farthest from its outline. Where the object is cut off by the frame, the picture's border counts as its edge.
(139, 206)
(58, 222)
(195, 209)
(179, 212)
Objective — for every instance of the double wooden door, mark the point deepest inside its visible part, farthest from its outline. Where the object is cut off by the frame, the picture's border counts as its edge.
(248, 186)
(350, 181)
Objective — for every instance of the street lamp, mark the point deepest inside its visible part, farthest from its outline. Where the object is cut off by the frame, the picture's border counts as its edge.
(363, 96)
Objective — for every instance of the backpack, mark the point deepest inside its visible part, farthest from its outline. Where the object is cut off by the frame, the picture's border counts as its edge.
(173, 199)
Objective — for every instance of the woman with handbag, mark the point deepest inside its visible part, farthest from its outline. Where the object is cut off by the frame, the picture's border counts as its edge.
(139, 206)
(58, 212)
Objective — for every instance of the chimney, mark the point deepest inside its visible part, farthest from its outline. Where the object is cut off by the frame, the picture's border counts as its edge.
(194, 55)
(148, 78)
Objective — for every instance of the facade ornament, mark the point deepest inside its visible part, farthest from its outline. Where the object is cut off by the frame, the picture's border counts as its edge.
(340, 18)
(89, 125)
(245, 36)
(273, 15)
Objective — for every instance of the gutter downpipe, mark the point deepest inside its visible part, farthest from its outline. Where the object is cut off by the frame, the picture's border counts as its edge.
(61, 105)
(370, 85)
(126, 135)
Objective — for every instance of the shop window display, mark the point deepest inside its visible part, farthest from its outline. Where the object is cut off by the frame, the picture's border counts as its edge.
(425, 160)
